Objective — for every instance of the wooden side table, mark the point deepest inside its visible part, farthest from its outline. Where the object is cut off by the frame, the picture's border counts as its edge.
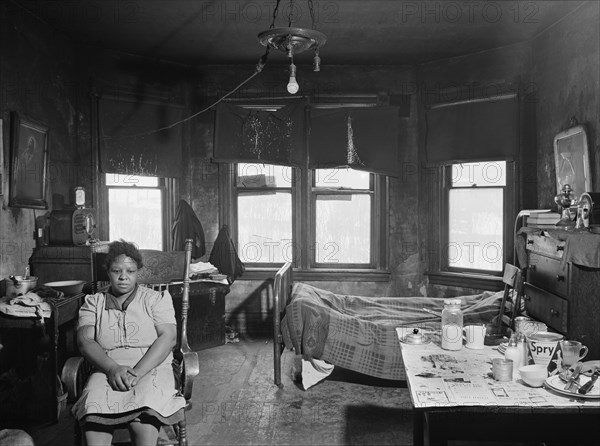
(64, 312)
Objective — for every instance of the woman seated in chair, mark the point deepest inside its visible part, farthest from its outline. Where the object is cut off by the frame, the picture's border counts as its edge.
(127, 333)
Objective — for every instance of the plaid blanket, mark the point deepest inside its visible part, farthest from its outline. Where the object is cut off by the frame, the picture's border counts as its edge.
(359, 333)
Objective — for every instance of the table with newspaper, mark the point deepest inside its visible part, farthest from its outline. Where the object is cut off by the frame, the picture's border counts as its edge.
(451, 382)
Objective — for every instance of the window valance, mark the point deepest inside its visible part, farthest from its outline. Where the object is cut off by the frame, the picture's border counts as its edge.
(274, 137)
(360, 137)
(474, 130)
(129, 142)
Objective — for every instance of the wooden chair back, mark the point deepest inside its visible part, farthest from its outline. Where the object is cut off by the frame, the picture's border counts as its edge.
(511, 299)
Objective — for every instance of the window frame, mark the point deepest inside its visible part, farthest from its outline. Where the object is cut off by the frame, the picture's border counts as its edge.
(254, 190)
(440, 272)
(374, 192)
(303, 233)
(168, 188)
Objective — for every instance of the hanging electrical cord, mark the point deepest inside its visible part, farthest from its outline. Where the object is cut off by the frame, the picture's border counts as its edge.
(259, 67)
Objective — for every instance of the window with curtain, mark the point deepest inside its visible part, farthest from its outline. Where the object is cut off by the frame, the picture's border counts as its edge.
(471, 235)
(309, 183)
(139, 150)
(319, 219)
(474, 148)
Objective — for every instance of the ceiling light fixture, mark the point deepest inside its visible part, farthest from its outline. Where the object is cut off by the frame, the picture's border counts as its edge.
(293, 40)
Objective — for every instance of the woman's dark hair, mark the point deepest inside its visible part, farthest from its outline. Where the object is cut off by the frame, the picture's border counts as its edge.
(117, 248)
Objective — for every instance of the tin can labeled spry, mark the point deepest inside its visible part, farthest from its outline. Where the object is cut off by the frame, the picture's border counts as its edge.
(542, 346)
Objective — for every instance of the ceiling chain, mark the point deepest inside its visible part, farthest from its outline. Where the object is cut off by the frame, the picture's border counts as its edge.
(291, 14)
(275, 12)
(312, 13)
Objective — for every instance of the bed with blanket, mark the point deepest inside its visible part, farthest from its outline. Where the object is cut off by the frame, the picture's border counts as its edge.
(354, 332)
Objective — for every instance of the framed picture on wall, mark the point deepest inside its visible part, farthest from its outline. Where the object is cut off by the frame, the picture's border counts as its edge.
(29, 158)
(1, 157)
(572, 161)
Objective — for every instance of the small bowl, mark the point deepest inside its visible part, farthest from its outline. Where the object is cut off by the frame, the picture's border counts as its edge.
(68, 287)
(534, 375)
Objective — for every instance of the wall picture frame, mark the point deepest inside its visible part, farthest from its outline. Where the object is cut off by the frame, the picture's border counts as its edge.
(29, 163)
(572, 162)
(1, 157)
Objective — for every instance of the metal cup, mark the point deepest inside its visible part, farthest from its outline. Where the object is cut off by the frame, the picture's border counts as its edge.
(520, 322)
(502, 369)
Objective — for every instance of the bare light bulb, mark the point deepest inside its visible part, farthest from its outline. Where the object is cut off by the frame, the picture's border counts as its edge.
(292, 86)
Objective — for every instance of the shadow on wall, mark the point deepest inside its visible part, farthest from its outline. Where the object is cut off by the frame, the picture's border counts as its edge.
(252, 317)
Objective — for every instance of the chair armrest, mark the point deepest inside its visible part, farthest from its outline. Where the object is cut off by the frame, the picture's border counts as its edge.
(189, 370)
(74, 375)
(77, 370)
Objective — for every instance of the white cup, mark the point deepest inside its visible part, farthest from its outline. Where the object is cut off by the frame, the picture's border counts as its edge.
(474, 336)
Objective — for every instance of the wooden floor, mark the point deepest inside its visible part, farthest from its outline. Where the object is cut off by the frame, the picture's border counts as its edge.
(236, 403)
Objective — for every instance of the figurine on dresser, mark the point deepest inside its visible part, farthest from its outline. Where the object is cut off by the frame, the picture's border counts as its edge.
(578, 213)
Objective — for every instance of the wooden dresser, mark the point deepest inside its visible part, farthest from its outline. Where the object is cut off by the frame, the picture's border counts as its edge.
(562, 285)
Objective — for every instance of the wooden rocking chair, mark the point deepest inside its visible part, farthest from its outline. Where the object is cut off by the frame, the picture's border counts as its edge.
(161, 270)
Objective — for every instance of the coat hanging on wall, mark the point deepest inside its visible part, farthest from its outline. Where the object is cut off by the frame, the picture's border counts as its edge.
(224, 256)
(187, 225)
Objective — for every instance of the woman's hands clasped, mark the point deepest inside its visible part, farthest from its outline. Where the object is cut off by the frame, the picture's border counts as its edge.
(122, 378)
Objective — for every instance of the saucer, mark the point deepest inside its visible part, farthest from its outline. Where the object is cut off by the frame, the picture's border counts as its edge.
(408, 340)
(555, 383)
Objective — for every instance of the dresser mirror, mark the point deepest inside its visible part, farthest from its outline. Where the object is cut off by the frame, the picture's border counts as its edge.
(572, 161)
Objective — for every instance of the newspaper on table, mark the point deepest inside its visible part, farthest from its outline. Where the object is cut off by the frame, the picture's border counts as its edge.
(464, 378)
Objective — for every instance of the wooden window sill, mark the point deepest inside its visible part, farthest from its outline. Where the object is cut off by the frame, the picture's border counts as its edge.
(358, 275)
(466, 280)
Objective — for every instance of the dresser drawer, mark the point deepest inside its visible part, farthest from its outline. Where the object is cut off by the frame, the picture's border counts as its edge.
(547, 246)
(547, 273)
(546, 307)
